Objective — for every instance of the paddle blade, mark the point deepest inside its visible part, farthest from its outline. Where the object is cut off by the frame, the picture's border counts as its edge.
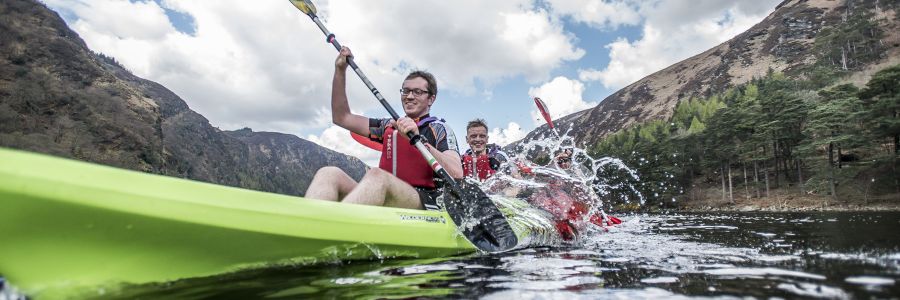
(478, 218)
(366, 142)
(542, 107)
(613, 221)
(305, 6)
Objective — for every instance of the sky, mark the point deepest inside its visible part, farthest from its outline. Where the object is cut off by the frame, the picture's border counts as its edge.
(265, 65)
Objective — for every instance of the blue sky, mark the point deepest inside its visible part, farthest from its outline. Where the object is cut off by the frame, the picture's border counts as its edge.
(264, 65)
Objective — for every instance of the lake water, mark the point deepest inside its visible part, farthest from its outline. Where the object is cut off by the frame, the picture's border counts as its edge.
(843, 255)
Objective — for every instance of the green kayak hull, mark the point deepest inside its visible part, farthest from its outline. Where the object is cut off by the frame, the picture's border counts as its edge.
(66, 225)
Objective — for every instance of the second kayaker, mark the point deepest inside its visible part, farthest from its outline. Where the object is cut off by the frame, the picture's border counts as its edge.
(483, 159)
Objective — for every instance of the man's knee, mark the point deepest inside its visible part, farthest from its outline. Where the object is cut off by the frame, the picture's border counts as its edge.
(376, 174)
(328, 173)
(381, 178)
(329, 170)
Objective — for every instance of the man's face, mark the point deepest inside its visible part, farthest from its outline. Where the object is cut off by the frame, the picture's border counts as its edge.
(564, 159)
(416, 103)
(477, 138)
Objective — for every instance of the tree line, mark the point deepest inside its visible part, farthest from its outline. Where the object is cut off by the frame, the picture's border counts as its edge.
(771, 133)
(804, 133)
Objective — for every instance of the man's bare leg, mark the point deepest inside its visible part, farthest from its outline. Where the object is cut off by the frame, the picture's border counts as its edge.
(330, 183)
(381, 188)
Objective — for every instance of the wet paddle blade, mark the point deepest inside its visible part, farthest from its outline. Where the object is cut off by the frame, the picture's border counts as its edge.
(613, 221)
(544, 111)
(305, 6)
(479, 219)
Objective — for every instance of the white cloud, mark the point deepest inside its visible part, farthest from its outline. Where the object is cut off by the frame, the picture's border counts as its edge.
(338, 139)
(503, 136)
(674, 31)
(598, 13)
(563, 96)
(632, 61)
(143, 20)
(264, 65)
(456, 41)
(240, 69)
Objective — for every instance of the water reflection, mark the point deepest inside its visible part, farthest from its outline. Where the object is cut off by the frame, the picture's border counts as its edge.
(676, 256)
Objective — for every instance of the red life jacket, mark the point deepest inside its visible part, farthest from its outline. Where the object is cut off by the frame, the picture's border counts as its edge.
(477, 165)
(403, 160)
(568, 212)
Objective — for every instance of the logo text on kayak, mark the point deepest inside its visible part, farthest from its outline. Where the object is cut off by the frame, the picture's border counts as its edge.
(429, 219)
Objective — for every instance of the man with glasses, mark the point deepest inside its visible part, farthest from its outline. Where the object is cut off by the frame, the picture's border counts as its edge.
(403, 178)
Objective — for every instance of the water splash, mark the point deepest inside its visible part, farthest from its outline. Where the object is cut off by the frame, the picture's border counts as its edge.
(606, 176)
(585, 184)
(9, 292)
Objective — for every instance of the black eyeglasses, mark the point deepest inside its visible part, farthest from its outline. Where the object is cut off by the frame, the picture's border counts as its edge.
(564, 160)
(417, 92)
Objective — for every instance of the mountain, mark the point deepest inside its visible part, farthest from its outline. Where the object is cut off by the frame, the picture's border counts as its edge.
(802, 39)
(59, 97)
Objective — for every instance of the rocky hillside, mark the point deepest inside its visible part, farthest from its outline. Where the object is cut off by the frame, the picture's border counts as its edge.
(796, 39)
(60, 98)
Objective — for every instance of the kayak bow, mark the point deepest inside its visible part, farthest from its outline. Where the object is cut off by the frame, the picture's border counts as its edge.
(67, 224)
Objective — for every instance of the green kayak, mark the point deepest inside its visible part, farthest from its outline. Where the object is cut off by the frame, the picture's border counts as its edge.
(66, 225)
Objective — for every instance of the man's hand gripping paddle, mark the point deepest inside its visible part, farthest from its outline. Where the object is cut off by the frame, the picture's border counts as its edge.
(465, 202)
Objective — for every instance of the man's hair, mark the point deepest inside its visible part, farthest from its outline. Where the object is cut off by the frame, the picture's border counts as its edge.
(477, 123)
(432, 83)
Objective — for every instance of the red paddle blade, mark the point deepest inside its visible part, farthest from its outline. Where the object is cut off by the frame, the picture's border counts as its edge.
(366, 142)
(597, 219)
(614, 220)
(544, 111)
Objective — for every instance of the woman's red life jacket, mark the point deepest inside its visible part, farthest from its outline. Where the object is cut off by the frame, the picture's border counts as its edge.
(567, 212)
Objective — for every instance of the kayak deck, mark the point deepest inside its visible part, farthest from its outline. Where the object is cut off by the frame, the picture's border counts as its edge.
(65, 223)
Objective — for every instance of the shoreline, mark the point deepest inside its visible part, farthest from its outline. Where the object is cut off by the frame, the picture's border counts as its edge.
(789, 202)
(833, 208)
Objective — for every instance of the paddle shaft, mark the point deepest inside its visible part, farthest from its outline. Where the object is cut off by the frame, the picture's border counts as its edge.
(415, 139)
